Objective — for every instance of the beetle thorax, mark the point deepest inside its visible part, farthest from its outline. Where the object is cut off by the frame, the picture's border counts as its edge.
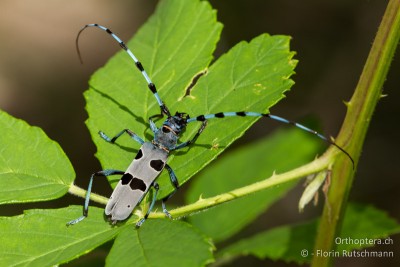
(165, 140)
(168, 134)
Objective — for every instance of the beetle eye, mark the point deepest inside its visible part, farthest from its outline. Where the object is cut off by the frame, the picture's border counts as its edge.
(165, 129)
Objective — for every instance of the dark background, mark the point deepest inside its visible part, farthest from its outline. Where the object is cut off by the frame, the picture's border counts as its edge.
(42, 81)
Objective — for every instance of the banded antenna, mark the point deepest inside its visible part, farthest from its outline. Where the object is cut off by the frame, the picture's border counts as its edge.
(138, 64)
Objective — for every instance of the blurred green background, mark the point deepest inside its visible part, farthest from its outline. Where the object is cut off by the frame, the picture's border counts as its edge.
(42, 81)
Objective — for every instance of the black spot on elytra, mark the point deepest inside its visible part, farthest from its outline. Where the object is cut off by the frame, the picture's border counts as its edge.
(157, 164)
(137, 184)
(126, 178)
(139, 154)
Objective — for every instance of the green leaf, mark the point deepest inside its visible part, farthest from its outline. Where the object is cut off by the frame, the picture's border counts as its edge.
(41, 237)
(365, 221)
(32, 167)
(161, 243)
(251, 77)
(174, 45)
(246, 165)
(281, 243)
(361, 222)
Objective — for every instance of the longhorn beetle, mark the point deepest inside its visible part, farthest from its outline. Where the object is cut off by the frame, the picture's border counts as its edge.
(151, 159)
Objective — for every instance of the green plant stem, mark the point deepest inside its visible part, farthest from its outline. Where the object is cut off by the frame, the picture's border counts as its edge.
(355, 126)
(77, 191)
(276, 179)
